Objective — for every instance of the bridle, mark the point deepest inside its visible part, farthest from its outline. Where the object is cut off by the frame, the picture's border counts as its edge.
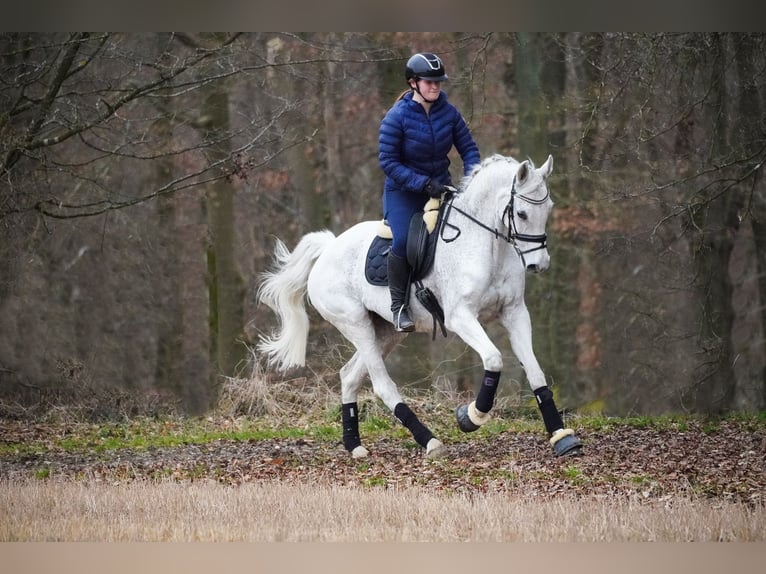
(511, 236)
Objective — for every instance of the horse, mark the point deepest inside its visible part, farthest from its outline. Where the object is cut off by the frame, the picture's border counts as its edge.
(491, 233)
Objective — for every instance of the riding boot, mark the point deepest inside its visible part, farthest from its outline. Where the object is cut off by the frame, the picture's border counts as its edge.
(398, 284)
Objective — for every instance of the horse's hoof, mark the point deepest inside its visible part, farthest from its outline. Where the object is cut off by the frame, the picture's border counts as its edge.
(568, 446)
(435, 449)
(359, 452)
(464, 421)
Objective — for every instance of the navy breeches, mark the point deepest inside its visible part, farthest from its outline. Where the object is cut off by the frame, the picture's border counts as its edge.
(398, 209)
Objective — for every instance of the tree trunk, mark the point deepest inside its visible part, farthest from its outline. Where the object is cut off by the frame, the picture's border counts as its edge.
(170, 328)
(528, 63)
(226, 285)
(713, 226)
(751, 106)
(336, 181)
(168, 375)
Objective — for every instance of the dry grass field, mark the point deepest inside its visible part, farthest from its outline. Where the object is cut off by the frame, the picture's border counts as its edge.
(261, 471)
(272, 512)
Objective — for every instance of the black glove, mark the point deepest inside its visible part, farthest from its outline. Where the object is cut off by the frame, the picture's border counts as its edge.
(437, 189)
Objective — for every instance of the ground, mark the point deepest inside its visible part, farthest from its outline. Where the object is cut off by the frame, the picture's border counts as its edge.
(725, 460)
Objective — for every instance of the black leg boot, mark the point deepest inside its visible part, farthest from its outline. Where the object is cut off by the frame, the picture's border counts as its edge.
(398, 284)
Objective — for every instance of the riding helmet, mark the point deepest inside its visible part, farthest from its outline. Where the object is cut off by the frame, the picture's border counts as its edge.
(425, 65)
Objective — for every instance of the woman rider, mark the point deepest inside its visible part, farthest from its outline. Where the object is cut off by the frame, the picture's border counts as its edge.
(416, 135)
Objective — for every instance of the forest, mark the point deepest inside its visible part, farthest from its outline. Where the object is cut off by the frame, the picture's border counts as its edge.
(145, 177)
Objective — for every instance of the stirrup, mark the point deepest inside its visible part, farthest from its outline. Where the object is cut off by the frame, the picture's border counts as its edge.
(402, 321)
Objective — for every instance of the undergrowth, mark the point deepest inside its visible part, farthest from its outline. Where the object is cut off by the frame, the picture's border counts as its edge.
(263, 406)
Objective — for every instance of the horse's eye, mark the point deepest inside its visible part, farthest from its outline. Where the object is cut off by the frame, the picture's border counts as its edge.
(522, 215)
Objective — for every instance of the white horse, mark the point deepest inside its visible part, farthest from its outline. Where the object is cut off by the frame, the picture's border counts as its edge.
(493, 231)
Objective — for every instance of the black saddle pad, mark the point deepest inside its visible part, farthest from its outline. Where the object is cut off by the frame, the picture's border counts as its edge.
(376, 265)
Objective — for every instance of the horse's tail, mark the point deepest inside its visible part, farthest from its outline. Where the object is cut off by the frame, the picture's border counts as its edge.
(283, 289)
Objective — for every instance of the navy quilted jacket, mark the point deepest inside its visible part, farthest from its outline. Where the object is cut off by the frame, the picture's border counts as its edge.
(413, 146)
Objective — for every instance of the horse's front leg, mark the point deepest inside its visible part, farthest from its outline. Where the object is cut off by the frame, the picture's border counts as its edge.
(472, 416)
(519, 326)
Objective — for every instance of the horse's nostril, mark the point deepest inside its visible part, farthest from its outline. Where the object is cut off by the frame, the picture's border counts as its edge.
(533, 268)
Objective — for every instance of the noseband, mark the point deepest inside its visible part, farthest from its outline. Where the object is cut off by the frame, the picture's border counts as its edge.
(511, 236)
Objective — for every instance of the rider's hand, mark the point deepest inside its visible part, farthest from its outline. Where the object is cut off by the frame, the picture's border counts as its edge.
(437, 189)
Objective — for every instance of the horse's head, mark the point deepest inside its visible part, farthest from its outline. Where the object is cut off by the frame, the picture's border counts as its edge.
(526, 214)
(518, 195)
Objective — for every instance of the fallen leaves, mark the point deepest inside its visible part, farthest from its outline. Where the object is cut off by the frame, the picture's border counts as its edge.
(728, 463)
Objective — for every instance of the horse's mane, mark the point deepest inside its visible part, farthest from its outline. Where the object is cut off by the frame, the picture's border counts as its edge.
(489, 161)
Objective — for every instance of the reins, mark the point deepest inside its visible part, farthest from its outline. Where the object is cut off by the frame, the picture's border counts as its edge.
(512, 235)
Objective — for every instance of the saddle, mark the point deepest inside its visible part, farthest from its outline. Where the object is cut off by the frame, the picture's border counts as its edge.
(422, 239)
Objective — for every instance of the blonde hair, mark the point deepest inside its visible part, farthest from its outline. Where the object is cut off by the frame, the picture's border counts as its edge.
(404, 93)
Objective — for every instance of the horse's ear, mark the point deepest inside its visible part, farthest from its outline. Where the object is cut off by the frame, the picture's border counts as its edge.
(523, 172)
(547, 167)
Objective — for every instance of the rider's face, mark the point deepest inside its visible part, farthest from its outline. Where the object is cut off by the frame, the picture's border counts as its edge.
(429, 88)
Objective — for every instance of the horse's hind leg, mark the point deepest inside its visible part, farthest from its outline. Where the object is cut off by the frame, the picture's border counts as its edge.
(351, 377)
(373, 343)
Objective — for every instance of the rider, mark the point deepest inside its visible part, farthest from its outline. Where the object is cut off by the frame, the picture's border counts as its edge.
(416, 135)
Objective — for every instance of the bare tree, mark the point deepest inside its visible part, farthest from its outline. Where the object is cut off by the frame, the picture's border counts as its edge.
(671, 126)
(86, 117)
(142, 177)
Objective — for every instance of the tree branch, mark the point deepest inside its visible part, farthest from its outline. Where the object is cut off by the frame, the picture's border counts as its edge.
(63, 71)
(32, 142)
